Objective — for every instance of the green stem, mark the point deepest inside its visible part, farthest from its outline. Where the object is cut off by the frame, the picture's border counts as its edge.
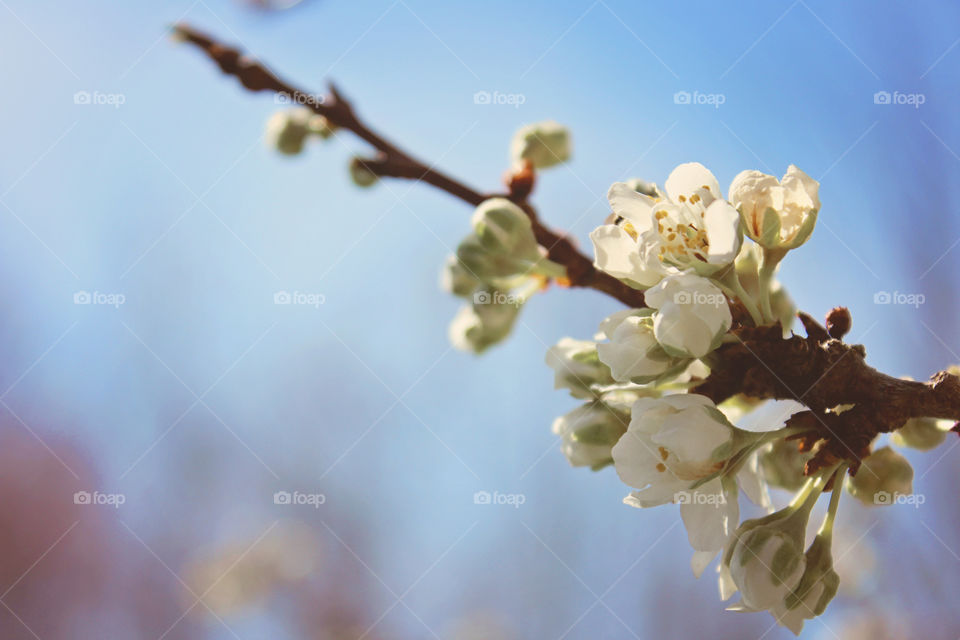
(730, 284)
(826, 529)
(768, 266)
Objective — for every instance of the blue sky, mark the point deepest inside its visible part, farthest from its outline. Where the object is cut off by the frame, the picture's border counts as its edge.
(198, 397)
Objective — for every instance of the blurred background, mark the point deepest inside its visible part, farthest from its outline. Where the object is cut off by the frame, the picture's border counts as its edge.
(145, 229)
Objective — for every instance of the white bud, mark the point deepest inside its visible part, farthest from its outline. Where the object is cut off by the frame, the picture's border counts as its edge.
(589, 433)
(457, 279)
(545, 144)
(577, 367)
(882, 476)
(287, 130)
(361, 175)
(922, 433)
(692, 315)
(504, 228)
(633, 353)
(776, 213)
(486, 322)
(766, 558)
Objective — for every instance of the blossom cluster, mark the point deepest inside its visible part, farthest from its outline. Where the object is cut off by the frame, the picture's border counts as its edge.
(706, 265)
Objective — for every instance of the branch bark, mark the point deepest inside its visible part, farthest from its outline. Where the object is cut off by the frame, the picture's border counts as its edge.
(820, 371)
(391, 161)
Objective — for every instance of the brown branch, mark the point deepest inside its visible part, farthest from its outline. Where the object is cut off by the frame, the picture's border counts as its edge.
(391, 161)
(825, 373)
(820, 370)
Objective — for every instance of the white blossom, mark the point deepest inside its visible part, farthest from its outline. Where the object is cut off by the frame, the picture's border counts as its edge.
(692, 228)
(672, 443)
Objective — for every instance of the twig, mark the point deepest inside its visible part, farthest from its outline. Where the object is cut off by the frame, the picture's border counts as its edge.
(821, 371)
(391, 161)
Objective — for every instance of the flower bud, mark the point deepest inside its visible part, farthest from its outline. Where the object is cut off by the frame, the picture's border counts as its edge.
(457, 279)
(361, 174)
(484, 323)
(504, 228)
(882, 476)
(817, 587)
(589, 433)
(922, 433)
(545, 144)
(766, 557)
(781, 464)
(320, 126)
(577, 367)
(633, 353)
(643, 187)
(776, 214)
(287, 130)
(692, 315)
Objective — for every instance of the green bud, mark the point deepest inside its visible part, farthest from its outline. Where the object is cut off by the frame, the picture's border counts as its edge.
(817, 587)
(577, 367)
(883, 475)
(922, 433)
(782, 465)
(504, 228)
(361, 175)
(287, 130)
(545, 144)
(457, 279)
(486, 322)
(320, 126)
(589, 433)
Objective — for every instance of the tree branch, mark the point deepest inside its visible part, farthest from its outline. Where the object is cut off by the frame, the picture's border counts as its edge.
(820, 370)
(391, 161)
